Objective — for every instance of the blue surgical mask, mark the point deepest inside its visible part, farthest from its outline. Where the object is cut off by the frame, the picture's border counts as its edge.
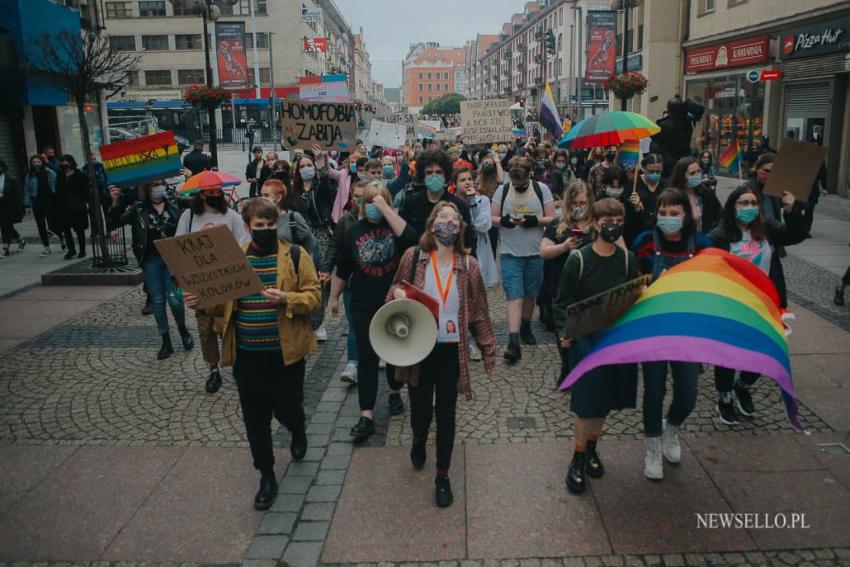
(746, 215)
(308, 172)
(653, 177)
(388, 171)
(435, 182)
(694, 180)
(352, 167)
(373, 213)
(669, 224)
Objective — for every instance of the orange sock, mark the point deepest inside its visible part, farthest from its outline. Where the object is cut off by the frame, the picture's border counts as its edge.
(580, 448)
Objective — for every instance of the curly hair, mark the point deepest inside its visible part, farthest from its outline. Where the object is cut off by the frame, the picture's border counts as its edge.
(431, 157)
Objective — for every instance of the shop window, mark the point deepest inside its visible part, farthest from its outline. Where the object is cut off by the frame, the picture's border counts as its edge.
(119, 10)
(187, 41)
(158, 78)
(190, 76)
(122, 42)
(705, 7)
(155, 42)
(152, 8)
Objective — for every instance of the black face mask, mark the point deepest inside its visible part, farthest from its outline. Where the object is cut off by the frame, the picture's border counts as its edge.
(610, 156)
(488, 168)
(611, 231)
(521, 187)
(216, 202)
(265, 239)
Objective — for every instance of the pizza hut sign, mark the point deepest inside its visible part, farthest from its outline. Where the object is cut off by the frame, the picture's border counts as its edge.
(740, 53)
(819, 39)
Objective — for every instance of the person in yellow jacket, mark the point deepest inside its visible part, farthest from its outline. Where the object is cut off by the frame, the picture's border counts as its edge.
(266, 337)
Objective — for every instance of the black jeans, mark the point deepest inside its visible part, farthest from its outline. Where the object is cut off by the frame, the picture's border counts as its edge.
(69, 238)
(685, 380)
(367, 364)
(40, 214)
(268, 388)
(8, 232)
(438, 374)
(724, 379)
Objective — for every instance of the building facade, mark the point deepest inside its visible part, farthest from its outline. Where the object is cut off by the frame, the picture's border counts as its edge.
(429, 72)
(804, 47)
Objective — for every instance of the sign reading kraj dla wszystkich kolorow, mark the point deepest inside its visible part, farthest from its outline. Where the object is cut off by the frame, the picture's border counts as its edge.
(331, 125)
(486, 121)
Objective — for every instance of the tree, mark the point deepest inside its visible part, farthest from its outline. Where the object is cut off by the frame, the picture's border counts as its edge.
(83, 66)
(446, 104)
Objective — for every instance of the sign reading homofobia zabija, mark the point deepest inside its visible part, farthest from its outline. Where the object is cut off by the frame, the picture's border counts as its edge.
(331, 125)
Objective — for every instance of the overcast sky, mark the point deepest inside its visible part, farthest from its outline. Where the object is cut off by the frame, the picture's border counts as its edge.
(390, 26)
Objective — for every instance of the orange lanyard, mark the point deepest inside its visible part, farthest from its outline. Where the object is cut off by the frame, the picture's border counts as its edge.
(444, 293)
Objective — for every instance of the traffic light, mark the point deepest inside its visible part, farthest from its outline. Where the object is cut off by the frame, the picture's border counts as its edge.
(550, 42)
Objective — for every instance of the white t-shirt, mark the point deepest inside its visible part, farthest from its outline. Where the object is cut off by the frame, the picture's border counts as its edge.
(449, 330)
(518, 241)
(209, 220)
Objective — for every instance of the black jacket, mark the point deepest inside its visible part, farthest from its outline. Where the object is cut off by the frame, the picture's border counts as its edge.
(197, 161)
(72, 198)
(12, 202)
(779, 234)
(136, 215)
(673, 142)
(317, 204)
(347, 221)
(417, 208)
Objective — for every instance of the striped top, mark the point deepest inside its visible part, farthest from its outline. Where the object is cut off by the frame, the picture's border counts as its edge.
(256, 318)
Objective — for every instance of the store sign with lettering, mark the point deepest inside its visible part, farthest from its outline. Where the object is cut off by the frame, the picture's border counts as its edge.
(744, 52)
(818, 39)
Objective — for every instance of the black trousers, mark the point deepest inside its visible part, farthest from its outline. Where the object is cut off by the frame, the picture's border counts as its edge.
(268, 388)
(436, 395)
(367, 363)
(8, 232)
(724, 379)
(845, 279)
(69, 238)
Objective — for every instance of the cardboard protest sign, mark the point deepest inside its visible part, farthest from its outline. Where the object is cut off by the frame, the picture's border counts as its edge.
(427, 129)
(332, 125)
(141, 159)
(486, 121)
(601, 310)
(209, 264)
(386, 135)
(795, 169)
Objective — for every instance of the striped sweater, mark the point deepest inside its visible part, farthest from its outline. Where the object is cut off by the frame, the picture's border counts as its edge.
(256, 317)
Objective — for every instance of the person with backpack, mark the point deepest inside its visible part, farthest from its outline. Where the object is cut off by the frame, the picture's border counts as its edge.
(591, 270)
(266, 337)
(442, 268)
(523, 208)
(673, 240)
(291, 226)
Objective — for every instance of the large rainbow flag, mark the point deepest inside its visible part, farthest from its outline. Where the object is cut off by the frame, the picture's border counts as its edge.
(731, 157)
(716, 309)
(142, 159)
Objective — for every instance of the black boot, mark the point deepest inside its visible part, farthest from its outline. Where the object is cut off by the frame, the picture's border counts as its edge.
(577, 473)
(186, 337)
(418, 454)
(526, 335)
(214, 381)
(443, 493)
(267, 493)
(513, 352)
(166, 349)
(298, 444)
(148, 308)
(595, 468)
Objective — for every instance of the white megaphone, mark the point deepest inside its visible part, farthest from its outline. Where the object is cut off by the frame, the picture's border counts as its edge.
(403, 332)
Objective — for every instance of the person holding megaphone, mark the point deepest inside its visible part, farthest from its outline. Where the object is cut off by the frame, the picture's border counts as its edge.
(443, 269)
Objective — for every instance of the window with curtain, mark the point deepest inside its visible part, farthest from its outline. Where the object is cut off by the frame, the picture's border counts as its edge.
(155, 42)
(119, 10)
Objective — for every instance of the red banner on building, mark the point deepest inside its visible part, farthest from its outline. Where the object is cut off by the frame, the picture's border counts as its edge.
(231, 56)
(750, 51)
(601, 45)
(313, 44)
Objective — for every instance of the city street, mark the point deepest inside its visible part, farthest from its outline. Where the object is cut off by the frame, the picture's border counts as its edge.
(108, 455)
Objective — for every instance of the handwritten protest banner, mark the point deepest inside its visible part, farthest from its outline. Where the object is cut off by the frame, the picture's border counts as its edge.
(485, 121)
(142, 159)
(601, 310)
(795, 169)
(427, 129)
(386, 135)
(331, 125)
(209, 264)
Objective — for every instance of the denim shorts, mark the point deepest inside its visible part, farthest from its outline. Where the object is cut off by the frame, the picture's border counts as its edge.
(521, 276)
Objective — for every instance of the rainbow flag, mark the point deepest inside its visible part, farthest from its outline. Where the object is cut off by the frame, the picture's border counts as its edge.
(549, 117)
(629, 154)
(731, 157)
(142, 159)
(715, 308)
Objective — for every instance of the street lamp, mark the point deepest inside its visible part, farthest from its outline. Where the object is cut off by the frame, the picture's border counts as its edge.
(625, 6)
(209, 12)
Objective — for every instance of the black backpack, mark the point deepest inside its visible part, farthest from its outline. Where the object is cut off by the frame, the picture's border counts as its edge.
(537, 191)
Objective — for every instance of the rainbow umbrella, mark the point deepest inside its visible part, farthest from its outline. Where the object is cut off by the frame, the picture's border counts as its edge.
(208, 179)
(607, 129)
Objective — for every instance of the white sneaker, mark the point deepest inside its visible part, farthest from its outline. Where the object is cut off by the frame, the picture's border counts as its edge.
(382, 363)
(349, 374)
(21, 244)
(321, 334)
(670, 444)
(474, 351)
(46, 251)
(653, 465)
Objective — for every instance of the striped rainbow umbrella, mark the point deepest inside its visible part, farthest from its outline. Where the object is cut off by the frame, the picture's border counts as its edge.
(607, 129)
(208, 180)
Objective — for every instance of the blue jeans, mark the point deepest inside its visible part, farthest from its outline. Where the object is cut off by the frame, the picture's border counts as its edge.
(685, 378)
(521, 276)
(351, 345)
(158, 280)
